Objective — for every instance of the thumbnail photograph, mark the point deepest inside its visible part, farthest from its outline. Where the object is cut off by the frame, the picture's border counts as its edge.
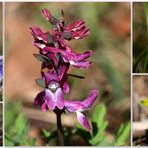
(140, 37)
(140, 110)
(67, 74)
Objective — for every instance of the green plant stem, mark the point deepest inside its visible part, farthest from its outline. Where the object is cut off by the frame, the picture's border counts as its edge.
(60, 129)
(146, 62)
(139, 58)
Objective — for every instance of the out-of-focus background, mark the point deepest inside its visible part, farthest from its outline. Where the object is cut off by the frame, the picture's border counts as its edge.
(140, 37)
(140, 112)
(109, 39)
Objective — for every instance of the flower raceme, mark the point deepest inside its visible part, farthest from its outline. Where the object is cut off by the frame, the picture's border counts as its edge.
(56, 56)
(75, 59)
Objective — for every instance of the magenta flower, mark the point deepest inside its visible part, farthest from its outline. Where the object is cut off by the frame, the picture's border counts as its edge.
(50, 18)
(52, 97)
(76, 30)
(47, 39)
(75, 59)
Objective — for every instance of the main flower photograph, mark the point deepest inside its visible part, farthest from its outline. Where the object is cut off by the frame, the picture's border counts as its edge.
(66, 86)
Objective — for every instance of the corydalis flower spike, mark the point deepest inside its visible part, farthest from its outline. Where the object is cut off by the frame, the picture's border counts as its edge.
(56, 57)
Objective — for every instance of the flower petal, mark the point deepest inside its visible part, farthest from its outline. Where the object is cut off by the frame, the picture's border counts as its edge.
(80, 34)
(73, 106)
(38, 34)
(36, 31)
(49, 17)
(82, 56)
(74, 26)
(63, 68)
(54, 99)
(50, 99)
(60, 98)
(66, 87)
(83, 64)
(39, 99)
(49, 76)
(90, 99)
(84, 122)
(46, 14)
(44, 107)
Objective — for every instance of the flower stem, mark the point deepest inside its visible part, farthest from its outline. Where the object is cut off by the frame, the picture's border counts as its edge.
(59, 127)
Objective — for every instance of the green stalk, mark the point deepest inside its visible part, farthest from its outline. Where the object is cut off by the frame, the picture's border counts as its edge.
(146, 62)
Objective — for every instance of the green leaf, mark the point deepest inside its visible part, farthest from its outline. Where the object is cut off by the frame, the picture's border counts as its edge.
(29, 142)
(9, 142)
(98, 118)
(146, 13)
(40, 82)
(41, 58)
(81, 131)
(105, 142)
(20, 124)
(76, 76)
(46, 133)
(99, 114)
(100, 135)
(17, 126)
(122, 134)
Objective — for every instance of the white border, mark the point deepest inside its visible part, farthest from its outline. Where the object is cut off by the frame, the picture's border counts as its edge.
(67, 1)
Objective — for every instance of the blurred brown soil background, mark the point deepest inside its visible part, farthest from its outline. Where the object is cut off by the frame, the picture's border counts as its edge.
(22, 68)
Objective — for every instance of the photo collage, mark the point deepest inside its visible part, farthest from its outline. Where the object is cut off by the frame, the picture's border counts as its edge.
(74, 73)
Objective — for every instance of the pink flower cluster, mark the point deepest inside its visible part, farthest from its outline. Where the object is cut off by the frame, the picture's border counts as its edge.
(56, 56)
